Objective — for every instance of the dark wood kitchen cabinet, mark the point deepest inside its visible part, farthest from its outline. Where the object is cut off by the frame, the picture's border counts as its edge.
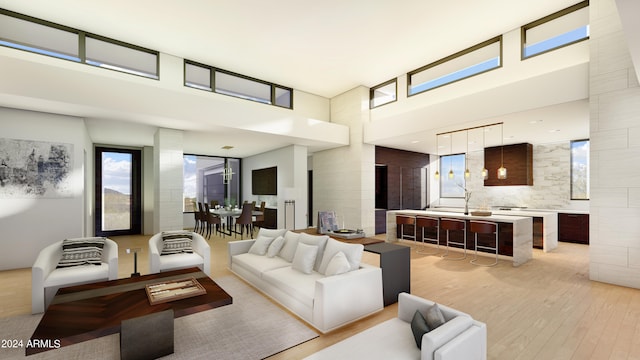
(573, 228)
(518, 159)
(270, 218)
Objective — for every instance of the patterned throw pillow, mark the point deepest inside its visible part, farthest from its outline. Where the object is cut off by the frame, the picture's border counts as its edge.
(176, 242)
(81, 251)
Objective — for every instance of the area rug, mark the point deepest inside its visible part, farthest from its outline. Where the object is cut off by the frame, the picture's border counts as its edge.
(251, 328)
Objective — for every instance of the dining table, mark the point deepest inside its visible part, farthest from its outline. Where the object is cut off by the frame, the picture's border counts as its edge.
(228, 215)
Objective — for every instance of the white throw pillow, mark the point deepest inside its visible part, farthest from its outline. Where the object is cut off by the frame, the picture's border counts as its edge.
(304, 258)
(272, 233)
(317, 240)
(290, 245)
(338, 265)
(275, 247)
(353, 252)
(260, 246)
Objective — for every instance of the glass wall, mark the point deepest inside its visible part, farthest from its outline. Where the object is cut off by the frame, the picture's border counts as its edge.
(204, 183)
(580, 170)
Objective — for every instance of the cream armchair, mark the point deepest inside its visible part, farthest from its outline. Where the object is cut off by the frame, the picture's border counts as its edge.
(46, 278)
(201, 256)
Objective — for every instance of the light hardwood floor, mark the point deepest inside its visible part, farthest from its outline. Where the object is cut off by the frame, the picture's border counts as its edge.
(546, 309)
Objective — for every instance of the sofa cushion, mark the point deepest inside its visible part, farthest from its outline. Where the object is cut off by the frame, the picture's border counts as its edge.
(290, 245)
(176, 261)
(261, 245)
(338, 264)
(305, 258)
(271, 233)
(316, 240)
(81, 251)
(419, 327)
(294, 283)
(353, 253)
(77, 274)
(257, 264)
(434, 317)
(275, 246)
(176, 242)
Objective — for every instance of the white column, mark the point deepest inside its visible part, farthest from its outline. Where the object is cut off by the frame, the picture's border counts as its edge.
(615, 151)
(344, 178)
(167, 171)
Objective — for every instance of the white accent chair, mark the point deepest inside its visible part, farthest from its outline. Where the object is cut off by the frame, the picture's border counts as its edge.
(201, 256)
(46, 278)
(459, 338)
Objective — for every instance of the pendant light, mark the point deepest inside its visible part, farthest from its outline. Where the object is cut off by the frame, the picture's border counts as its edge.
(502, 171)
(227, 171)
(467, 173)
(451, 174)
(437, 174)
(485, 172)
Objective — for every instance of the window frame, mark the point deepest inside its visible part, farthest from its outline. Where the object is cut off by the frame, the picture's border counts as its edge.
(497, 39)
(373, 89)
(444, 175)
(546, 19)
(571, 176)
(82, 58)
(212, 81)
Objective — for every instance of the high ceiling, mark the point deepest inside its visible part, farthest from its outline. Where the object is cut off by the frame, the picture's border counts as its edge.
(322, 47)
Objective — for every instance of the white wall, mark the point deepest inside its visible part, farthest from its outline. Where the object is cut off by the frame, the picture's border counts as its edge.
(28, 225)
(292, 181)
(614, 250)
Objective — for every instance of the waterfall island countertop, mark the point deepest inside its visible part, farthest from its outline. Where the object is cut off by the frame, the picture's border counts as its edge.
(522, 236)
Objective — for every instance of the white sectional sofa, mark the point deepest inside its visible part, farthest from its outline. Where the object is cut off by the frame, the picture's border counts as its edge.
(47, 278)
(459, 338)
(318, 278)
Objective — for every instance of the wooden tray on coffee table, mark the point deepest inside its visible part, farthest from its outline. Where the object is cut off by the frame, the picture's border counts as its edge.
(165, 291)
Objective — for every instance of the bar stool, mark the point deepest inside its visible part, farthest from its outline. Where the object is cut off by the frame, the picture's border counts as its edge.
(450, 224)
(403, 220)
(484, 227)
(429, 223)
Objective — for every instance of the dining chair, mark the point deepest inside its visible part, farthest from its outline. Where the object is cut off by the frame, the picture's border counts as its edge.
(203, 218)
(244, 220)
(196, 217)
(258, 220)
(212, 221)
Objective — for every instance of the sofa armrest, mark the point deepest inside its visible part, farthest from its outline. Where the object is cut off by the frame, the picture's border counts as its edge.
(110, 256)
(45, 263)
(436, 338)
(238, 247)
(154, 253)
(471, 344)
(343, 298)
(203, 249)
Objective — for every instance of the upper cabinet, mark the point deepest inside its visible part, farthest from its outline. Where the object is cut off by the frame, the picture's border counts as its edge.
(518, 160)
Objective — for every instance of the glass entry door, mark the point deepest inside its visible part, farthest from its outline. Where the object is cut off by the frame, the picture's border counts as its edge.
(118, 191)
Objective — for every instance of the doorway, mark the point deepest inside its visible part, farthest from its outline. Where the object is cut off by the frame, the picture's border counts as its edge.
(118, 205)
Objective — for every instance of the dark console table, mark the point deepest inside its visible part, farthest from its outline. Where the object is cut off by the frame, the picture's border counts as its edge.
(395, 261)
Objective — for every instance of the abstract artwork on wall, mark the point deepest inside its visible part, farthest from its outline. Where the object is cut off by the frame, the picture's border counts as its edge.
(31, 169)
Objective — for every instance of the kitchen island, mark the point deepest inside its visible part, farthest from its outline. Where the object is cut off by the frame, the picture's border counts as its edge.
(515, 232)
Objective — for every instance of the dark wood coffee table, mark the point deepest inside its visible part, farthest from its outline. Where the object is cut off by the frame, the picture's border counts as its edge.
(85, 312)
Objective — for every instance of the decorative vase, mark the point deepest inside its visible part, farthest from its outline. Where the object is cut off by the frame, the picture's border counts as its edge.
(466, 208)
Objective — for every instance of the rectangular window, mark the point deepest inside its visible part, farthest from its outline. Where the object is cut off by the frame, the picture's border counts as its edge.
(197, 76)
(41, 38)
(559, 29)
(126, 58)
(204, 77)
(283, 97)
(476, 60)
(580, 170)
(241, 87)
(203, 181)
(383, 94)
(452, 182)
